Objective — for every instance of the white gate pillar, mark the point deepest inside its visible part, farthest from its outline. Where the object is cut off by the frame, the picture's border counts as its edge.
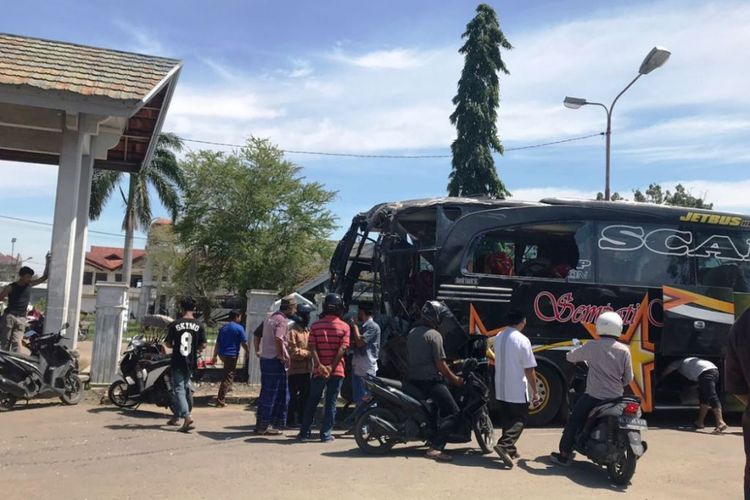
(259, 304)
(111, 317)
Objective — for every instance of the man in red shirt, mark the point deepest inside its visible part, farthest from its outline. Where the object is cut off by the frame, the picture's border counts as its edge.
(329, 339)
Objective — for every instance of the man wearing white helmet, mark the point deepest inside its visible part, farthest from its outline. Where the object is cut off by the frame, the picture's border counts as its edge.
(610, 370)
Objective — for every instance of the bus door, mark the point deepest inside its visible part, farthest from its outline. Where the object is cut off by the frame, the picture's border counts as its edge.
(696, 320)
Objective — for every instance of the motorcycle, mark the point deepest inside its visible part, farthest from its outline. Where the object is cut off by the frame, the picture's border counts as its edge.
(611, 437)
(398, 412)
(145, 376)
(50, 371)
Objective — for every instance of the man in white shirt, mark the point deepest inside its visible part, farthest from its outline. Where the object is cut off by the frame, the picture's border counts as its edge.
(706, 374)
(515, 378)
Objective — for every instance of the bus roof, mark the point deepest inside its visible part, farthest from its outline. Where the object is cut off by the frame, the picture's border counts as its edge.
(474, 204)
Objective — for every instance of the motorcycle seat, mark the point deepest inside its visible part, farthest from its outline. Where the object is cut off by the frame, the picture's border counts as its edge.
(397, 384)
(19, 355)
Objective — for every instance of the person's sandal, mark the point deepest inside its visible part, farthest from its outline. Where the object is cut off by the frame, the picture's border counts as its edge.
(720, 429)
(174, 421)
(188, 424)
(504, 455)
(559, 459)
(697, 427)
(438, 455)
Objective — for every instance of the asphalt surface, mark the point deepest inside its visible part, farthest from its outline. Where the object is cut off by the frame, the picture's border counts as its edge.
(96, 451)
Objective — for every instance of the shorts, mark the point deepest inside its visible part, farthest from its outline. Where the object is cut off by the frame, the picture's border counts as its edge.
(707, 388)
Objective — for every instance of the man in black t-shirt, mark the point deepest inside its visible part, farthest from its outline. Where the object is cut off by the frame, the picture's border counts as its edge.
(18, 293)
(186, 338)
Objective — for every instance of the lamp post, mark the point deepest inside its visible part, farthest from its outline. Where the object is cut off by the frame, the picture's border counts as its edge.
(655, 59)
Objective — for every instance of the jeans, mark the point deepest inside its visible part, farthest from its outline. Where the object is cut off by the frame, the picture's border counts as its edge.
(359, 391)
(332, 387)
(447, 407)
(512, 420)
(180, 392)
(576, 422)
(274, 394)
(230, 364)
(299, 389)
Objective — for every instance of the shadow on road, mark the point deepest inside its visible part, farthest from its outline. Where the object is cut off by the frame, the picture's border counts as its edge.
(462, 457)
(586, 474)
(226, 436)
(129, 413)
(135, 427)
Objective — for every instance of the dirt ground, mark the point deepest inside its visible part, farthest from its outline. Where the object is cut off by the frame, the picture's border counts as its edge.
(96, 451)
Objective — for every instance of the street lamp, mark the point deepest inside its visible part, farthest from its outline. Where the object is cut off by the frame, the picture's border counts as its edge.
(655, 59)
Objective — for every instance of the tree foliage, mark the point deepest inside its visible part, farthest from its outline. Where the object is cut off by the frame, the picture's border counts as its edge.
(163, 174)
(681, 197)
(475, 116)
(250, 220)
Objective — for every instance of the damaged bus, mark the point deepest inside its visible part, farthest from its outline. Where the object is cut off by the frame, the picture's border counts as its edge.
(675, 275)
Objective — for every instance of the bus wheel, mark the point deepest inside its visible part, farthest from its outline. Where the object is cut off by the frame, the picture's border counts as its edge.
(550, 388)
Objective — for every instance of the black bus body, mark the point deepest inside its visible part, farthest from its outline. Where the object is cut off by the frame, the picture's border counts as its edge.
(676, 276)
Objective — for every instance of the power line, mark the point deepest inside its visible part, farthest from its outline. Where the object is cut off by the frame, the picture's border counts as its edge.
(393, 157)
(41, 223)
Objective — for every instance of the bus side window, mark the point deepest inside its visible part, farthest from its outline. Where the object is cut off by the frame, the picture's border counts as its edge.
(552, 250)
(718, 259)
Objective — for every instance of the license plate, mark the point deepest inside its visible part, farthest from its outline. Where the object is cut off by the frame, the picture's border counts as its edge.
(637, 424)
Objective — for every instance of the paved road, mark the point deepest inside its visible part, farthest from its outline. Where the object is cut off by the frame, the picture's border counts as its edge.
(96, 452)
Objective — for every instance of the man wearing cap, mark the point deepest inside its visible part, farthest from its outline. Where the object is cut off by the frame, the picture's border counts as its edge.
(231, 337)
(274, 362)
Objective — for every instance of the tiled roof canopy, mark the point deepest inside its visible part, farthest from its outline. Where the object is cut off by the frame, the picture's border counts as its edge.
(83, 70)
(135, 87)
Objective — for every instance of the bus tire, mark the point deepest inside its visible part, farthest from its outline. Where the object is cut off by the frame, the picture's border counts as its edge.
(550, 387)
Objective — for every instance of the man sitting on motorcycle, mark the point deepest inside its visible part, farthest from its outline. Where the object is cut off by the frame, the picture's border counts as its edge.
(428, 372)
(609, 371)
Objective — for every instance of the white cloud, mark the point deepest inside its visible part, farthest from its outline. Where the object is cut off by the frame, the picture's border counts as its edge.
(405, 104)
(141, 40)
(386, 59)
(539, 193)
(20, 180)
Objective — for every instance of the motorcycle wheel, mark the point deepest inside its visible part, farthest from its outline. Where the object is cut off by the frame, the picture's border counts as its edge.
(370, 443)
(73, 390)
(484, 432)
(621, 472)
(117, 393)
(7, 402)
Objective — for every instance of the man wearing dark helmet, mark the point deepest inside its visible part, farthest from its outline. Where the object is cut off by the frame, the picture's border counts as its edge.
(429, 372)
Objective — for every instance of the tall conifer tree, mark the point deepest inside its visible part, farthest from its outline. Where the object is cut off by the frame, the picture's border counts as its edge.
(475, 117)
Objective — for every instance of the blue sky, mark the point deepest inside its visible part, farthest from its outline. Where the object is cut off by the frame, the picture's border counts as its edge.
(378, 77)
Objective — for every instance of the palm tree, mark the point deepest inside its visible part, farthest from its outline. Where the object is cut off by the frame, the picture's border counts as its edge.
(163, 173)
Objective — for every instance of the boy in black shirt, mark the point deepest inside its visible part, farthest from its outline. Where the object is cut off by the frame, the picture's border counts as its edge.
(186, 338)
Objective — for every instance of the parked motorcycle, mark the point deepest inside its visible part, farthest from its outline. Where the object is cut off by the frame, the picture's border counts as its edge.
(145, 376)
(611, 437)
(399, 412)
(50, 371)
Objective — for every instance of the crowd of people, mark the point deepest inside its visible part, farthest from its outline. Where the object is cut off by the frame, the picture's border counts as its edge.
(303, 362)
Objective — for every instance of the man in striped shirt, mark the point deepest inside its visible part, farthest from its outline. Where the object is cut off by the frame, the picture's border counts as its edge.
(329, 339)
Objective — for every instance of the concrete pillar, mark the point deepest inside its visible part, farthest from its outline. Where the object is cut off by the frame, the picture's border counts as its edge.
(259, 303)
(79, 250)
(63, 232)
(111, 318)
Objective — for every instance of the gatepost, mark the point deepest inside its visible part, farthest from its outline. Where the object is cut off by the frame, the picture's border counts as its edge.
(111, 321)
(259, 303)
